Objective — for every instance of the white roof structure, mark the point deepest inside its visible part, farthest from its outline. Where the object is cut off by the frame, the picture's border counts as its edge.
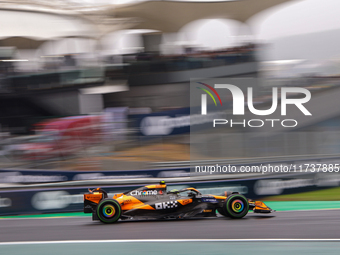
(171, 16)
(40, 20)
(29, 23)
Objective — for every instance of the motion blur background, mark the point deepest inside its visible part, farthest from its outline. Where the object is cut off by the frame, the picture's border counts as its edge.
(85, 87)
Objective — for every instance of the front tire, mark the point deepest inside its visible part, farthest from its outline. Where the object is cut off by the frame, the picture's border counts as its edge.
(236, 206)
(109, 211)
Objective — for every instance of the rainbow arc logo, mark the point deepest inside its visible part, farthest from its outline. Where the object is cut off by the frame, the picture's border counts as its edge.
(209, 93)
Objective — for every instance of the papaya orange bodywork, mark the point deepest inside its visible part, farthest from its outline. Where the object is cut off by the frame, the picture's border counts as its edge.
(130, 202)
(158, 186)
(94, 197)
(261, 206)
(193, 189)
(184, 201)
(218, 197)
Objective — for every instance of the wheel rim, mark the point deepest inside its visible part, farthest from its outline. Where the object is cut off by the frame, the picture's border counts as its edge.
(237, 206)
(109, 211)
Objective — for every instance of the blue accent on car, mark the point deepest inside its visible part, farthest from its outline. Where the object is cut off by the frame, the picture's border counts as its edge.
(209, 200)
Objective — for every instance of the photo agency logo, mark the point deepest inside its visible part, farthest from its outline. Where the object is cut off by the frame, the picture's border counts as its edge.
(239, 104)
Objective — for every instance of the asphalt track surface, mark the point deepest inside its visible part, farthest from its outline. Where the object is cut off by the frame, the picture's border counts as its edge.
(319, 224)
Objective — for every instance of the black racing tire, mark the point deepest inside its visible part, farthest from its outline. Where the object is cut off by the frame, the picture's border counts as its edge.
(236, 206)
(109, 211)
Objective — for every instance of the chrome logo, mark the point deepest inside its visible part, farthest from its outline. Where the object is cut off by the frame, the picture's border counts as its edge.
(109, 211)
(237, 206)
(143, 193)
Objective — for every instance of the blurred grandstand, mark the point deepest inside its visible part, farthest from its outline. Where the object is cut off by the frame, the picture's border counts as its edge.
(50, 72)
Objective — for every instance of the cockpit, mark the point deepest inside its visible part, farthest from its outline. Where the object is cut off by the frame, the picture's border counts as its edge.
(187, 192)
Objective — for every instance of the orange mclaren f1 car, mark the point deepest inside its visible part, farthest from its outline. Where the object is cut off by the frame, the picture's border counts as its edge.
(153, 201)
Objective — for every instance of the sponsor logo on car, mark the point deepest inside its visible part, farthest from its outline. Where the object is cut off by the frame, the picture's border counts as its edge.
(127, 201)
(143, 193)
(166, 205)
(209, 199)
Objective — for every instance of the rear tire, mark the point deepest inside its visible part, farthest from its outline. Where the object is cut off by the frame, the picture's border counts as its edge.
(236, 206)
(109, 211)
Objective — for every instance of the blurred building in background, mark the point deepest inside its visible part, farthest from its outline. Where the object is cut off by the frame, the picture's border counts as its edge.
(62, 59)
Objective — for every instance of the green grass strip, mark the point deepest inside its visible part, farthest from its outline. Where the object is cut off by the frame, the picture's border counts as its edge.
(331, 194)
(49, 215)
(302, 205)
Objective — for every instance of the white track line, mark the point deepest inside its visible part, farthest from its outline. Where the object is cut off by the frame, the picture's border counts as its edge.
(168, 241)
